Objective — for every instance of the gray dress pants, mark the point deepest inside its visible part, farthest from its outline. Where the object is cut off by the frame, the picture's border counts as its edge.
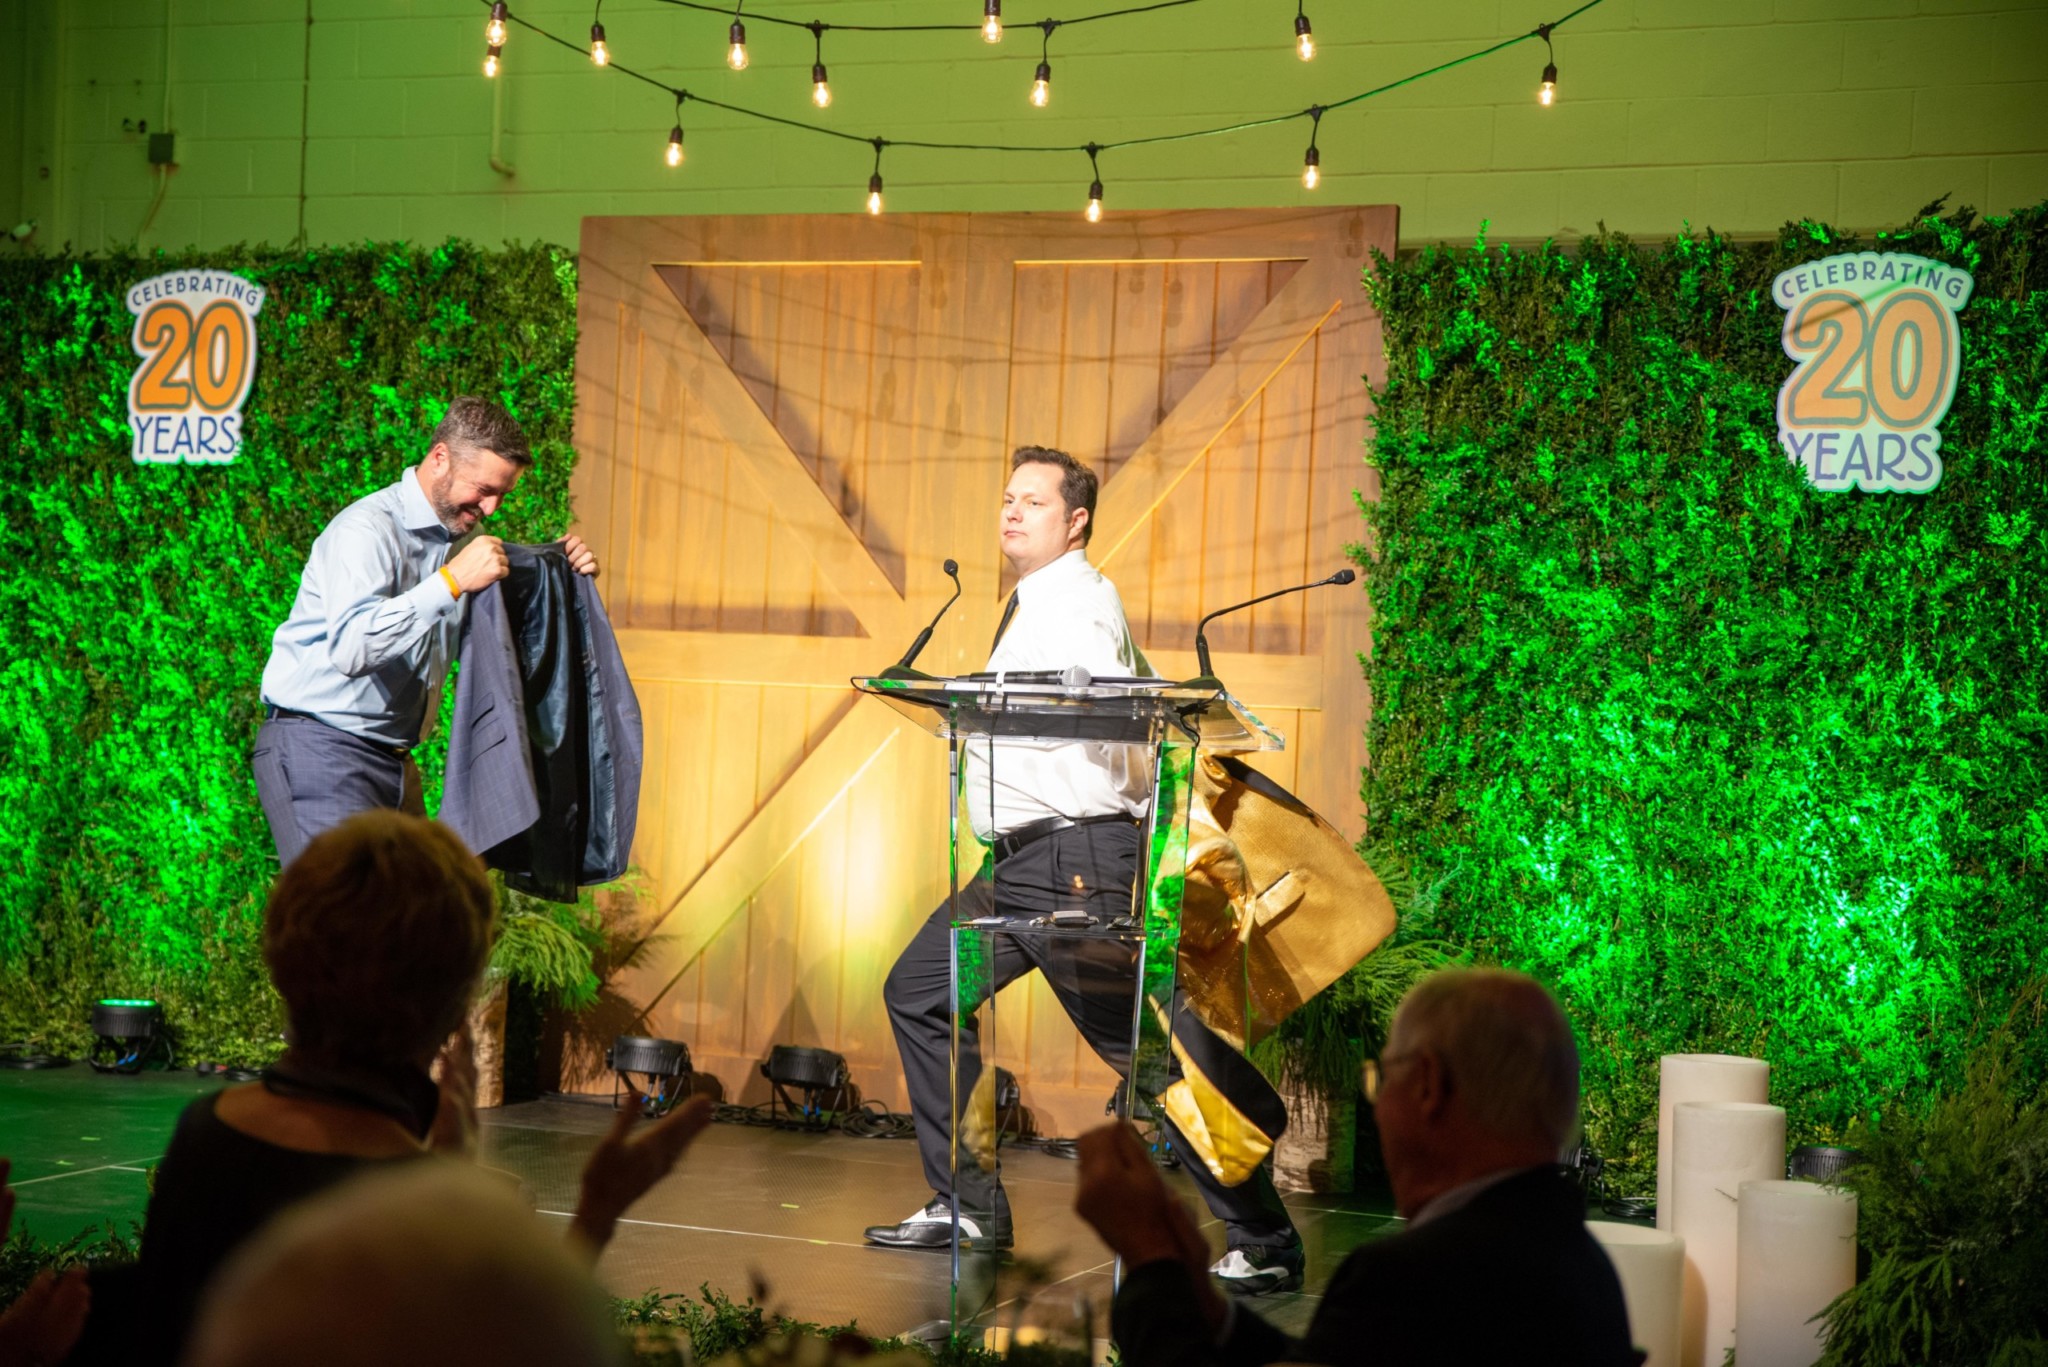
(310, 776)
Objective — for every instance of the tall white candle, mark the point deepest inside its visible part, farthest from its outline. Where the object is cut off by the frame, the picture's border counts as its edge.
(1651, 1265)
(1716, 1147)
(1795, 1252)
(1700, 1077)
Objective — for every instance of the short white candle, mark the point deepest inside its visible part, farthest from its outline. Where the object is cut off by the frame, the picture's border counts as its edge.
(1795, 1252)
(1717, 1146)
(1700, 1077)
(1651, 1265)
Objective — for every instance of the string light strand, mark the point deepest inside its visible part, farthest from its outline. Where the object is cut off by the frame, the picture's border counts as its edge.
(1092, 148)
(981, 28)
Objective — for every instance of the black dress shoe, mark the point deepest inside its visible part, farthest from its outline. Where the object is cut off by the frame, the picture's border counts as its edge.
(932, 1228)
(1260, 1271)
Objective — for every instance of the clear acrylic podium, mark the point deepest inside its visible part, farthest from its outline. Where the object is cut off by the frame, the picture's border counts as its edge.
(1171, 723)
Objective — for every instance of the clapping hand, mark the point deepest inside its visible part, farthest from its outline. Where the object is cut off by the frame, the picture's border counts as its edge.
(44, 1323)
(629, 1160)
(1123, 1196)
(454, 1129)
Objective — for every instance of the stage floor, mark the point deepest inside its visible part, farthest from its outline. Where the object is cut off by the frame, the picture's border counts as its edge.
(748, 1207)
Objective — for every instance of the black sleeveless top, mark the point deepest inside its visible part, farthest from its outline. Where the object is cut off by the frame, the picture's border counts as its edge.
(215, 1187)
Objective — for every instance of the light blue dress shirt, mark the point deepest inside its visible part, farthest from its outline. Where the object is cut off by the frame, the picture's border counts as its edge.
(368, 639)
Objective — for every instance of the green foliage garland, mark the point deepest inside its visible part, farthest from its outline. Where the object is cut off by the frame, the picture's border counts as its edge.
(1734, 766)
(137, 602)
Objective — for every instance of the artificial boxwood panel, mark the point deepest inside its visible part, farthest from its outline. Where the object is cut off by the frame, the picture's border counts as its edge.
(1733, 765)
(137, 602)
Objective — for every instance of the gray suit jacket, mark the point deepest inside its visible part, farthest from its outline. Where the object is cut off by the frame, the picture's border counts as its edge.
(544, 755)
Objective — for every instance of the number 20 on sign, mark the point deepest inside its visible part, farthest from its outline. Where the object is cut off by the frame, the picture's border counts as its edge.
(196, 334)
(1879, 351)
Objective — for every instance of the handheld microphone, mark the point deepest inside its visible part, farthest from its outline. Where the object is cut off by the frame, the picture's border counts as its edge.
(1344, 576)
(952, 568)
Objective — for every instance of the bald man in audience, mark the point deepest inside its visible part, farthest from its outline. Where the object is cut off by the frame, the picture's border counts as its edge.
(435, 1264)
(1476, 1097)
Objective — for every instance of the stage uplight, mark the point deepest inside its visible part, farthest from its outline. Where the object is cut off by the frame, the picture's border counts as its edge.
(1818, 1163)
(663, 1064)
(126, 1032)
(817, 1073)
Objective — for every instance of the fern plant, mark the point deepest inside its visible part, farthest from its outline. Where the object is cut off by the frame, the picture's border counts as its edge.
(551, 948)
(1952, 1207)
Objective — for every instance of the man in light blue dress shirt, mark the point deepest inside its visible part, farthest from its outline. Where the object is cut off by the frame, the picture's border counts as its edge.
(355, 671)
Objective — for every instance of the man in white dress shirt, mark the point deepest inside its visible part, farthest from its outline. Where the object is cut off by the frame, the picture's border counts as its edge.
(1063, 822)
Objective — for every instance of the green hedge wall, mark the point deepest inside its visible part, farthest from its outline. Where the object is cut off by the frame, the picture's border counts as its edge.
(137, 602)
(1735, 766)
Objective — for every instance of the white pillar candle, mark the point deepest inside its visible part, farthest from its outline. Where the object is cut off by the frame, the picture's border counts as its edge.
(1700, 1077)
(1651, 1265)
(1716, 1147)
(1795, 1252)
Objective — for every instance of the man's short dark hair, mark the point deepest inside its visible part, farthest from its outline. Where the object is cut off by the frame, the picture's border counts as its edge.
(1077, 481)
(475, 424)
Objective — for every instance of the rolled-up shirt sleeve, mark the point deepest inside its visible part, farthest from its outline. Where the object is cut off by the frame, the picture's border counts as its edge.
(366, 629)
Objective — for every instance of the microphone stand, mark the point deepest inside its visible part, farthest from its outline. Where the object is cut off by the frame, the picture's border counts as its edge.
(1207, 678)
(901, 669)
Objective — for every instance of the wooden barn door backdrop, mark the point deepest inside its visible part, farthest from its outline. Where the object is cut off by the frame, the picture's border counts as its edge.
(786, 424)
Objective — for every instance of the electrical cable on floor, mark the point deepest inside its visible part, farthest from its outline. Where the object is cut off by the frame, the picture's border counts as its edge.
(869, 1120)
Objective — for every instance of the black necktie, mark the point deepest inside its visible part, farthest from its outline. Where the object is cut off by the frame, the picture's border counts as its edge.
(1009, 611)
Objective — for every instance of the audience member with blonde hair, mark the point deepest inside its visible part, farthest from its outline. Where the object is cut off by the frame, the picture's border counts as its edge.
(376, 937)
(1476, 1098)
(431, 1263)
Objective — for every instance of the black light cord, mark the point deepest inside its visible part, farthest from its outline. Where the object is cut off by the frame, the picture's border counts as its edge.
(919, 28)
(1314, 111)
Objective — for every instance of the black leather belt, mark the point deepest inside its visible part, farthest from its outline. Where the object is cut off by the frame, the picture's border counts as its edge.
(272, 712)
(1010, 842)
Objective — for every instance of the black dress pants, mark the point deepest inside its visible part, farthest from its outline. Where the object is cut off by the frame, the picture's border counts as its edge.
(1092, 866)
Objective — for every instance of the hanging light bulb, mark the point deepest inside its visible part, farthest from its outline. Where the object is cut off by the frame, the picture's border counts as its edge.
(1041, 85)
(821, 93)
(875, 193)
(674, 155)
(1311, 168)
(1546, 94)
(599, 53)
(1094, 201)
(494, 27)
(991, 21)
(491, 58)
(736, 51)
(1304, 40)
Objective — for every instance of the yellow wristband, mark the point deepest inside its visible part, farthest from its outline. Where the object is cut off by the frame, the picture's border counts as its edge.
(453, 587)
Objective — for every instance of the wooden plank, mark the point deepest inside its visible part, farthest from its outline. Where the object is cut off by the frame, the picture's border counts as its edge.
(767, 839)
(1188, 348)
(1136, 364)
(1261, 682)
(784, 485)
(1087, 330)
(1283, 511)
(886, 410)
(1229, 387)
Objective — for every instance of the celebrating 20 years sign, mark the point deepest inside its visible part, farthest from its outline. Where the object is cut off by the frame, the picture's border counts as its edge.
(1878, 348)
(196, 334)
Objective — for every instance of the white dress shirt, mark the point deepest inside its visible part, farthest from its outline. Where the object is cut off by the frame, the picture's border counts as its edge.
(1067, 614)
(369, 636)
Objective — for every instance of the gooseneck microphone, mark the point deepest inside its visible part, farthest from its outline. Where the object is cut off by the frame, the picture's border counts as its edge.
(952, 568)
(1202, 642)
